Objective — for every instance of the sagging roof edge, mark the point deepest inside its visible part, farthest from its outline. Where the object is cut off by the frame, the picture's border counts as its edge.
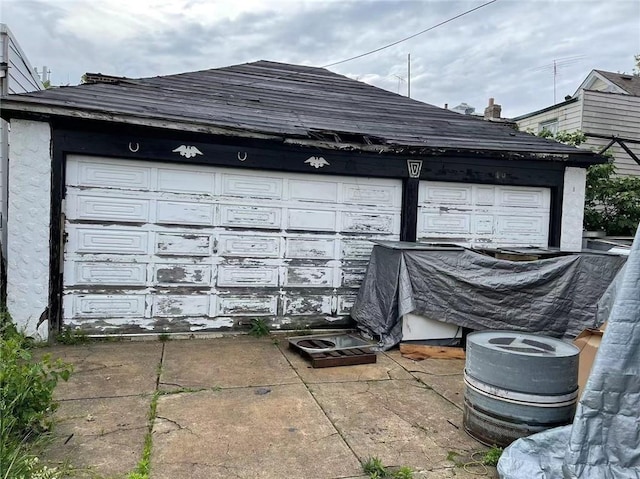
(15, 109)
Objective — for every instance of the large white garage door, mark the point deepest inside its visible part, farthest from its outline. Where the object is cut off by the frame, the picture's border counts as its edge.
(483, 215)
(155, 247)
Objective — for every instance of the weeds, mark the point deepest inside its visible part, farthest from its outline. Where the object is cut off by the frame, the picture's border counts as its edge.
(259, 328)
(71, 336)
(26, 403)
(492, 456)
(374, 468)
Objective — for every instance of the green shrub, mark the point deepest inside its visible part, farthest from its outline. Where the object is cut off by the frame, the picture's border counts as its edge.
(26, 401)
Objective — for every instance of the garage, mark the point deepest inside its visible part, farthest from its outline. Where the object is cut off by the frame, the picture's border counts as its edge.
(158, 247)
(201, 201)
(477, 215)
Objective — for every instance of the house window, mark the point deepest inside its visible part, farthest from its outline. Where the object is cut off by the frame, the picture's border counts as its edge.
(550, 125)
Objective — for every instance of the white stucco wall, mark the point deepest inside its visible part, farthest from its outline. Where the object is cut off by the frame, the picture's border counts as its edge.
(573, 208)
(28, 225)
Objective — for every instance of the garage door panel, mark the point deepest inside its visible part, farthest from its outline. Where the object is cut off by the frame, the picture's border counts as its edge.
(183, 274)
(355, 249)
(87, 239)
(531, 198)
(183, 244)
(446, 223)
(248, 276)
(104, 306)
(518, 225)
(250, 216)
(309, 276)
(175, 247)
(247, 305)
(311, 220)
(377, 196)
(369, 223)
(105, 273)
(313, 191)
(104, 208)
(309, 248)
(308, 305)
(174, 305)
(249, 246)
(184, 181)
(184, 213)
(246, 186)
(105, 175)
(446, 193)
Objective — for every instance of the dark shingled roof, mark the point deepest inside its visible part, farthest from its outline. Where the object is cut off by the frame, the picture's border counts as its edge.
(629, 83)
(282, 100)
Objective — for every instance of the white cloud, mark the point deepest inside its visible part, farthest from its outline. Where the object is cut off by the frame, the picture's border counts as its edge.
(497, 51)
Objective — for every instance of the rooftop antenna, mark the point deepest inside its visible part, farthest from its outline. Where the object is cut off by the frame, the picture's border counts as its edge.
(555, 66)
(400, 81)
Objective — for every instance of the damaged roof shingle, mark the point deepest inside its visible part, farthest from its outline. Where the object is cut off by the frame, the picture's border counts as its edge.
(292, 101)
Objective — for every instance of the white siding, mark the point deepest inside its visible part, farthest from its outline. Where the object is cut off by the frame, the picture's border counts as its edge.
(613, 114)
(18, 78)
(568, 117)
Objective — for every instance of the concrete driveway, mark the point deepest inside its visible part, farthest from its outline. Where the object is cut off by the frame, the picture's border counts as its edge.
(250, 408)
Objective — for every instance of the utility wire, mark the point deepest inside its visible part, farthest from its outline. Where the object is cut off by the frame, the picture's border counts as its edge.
(380, 48)
(410, 36)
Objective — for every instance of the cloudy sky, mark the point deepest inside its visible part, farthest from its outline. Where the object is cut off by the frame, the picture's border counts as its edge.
(504, 50)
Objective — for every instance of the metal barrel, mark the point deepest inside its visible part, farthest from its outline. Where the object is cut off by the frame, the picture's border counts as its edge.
(517, 384)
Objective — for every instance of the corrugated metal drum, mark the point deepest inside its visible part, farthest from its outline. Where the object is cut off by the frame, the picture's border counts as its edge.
(517, 384)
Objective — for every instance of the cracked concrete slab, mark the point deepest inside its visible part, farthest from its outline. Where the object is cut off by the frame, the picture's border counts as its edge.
(108, 369)
(403, 423)
(224, 362)
(102, 437)
(450, 387)
(270, 433)
(383, 369)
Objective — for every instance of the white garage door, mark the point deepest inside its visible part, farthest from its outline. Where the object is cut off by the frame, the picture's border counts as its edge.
(154, 246)
(483, 215)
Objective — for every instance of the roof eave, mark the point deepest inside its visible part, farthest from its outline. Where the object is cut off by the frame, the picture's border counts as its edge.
(12, 108)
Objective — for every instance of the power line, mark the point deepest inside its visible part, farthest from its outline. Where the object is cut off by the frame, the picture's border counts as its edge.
(380, 48)
(410, 36)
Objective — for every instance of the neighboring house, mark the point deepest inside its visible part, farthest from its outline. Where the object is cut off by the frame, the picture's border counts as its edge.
(16, 76)
(606, 107)
(201, 201)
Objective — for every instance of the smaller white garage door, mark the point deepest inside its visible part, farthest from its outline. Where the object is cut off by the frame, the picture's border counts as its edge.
(477, 215)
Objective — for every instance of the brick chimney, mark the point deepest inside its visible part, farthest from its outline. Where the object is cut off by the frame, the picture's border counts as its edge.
(493, 111)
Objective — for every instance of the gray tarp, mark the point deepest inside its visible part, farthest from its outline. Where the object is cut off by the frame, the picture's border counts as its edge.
(604, 440)
(557, 296)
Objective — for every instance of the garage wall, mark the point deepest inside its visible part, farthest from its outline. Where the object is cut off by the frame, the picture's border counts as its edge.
(29, 217)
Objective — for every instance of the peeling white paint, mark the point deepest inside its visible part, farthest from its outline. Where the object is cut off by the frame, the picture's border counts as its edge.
(28, 225)
(573, 209)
